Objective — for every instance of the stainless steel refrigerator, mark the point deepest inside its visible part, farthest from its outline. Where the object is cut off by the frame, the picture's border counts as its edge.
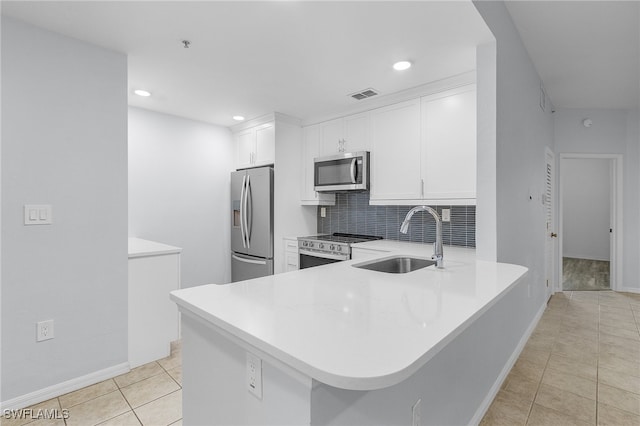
(251, 223)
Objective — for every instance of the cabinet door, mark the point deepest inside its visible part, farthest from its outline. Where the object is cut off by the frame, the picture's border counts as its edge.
(357, 132)
(331, 135)
(311, 150)
(395, 152)
(244, 146)
(265, 151)
(449, 142)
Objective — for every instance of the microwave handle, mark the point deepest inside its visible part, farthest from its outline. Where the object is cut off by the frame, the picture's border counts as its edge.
(353, 170)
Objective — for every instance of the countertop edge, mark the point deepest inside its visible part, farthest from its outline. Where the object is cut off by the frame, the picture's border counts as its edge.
(340, 381)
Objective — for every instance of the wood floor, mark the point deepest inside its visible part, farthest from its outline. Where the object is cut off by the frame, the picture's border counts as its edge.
(584, 274)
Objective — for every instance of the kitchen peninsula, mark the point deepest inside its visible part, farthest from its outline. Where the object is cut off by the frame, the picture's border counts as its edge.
(338, 344)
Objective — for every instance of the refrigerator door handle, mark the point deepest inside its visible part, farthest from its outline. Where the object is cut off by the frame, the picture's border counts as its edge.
(254, 262)
(246, 213)
(242, 195)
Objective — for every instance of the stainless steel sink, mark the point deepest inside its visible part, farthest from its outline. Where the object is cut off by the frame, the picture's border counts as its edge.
(396, 264)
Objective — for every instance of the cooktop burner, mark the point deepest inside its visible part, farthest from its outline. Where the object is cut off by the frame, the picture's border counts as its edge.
(339, 237)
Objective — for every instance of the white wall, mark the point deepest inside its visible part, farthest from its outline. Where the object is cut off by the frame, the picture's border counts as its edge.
(64, 143)
(586, 208)
(179, 177)
(523, 131)
(612, 132)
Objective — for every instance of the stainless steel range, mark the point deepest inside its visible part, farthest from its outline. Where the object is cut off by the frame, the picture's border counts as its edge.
(319, 250)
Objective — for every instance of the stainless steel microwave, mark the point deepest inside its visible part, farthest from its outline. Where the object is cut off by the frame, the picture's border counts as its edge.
(347, 171)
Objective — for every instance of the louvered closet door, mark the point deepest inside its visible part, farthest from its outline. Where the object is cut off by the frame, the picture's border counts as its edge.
(550, 229)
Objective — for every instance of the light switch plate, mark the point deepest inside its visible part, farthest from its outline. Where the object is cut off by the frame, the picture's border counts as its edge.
(38, 214)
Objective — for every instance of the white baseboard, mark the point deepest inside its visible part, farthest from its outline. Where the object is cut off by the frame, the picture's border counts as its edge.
(629, 290)
(64, 387)
(486, 403)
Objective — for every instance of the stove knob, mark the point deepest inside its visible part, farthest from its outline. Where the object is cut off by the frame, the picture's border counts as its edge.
(321, 246)
(339, 248)
(310, 244)
(332, 247)
(305, 244)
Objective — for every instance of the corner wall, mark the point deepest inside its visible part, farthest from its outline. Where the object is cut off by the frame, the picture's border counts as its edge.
(64, 143)
(523, 130)
(179, 183)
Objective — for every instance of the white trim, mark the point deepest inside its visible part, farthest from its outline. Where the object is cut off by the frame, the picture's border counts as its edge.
(616, 215)
(486, 403)
(64, 387)
(629, 290)
(265, 119)
(551, 290)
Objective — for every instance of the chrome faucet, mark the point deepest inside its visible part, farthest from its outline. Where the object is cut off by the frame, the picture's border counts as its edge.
(437, 245)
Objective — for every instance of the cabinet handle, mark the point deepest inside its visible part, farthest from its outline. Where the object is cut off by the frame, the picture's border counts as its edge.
(422, 188)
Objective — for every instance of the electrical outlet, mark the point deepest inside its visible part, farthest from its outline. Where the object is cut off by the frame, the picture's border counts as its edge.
(254, 375)
(44, 330)
(416, 411)
(446, 215)
(323, 212)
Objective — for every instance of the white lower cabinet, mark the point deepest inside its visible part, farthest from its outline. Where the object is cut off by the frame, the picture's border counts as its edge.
(154, 271)
(290, 254)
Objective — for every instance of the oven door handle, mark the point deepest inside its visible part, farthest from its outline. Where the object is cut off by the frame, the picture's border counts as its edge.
(323, 255)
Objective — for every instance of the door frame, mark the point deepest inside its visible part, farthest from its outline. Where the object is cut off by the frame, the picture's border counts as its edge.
(551, 275)
(616, 247)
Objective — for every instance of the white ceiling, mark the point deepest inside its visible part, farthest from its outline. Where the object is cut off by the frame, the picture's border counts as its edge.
(253, 58)
(586, 52)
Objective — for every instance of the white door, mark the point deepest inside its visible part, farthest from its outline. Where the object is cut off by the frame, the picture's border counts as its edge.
(550, 231)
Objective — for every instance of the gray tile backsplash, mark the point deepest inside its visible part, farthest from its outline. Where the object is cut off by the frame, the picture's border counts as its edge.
(353, 214)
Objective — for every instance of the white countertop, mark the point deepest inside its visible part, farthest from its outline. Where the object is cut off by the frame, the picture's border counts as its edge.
(353, 328)
(140, 248)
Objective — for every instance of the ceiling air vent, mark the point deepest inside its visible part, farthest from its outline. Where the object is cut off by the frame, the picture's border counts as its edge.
(364, 94)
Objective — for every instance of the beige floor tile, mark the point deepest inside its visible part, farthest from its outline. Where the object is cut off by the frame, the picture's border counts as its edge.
(534, 356)
(610, 339)
(615, 363)
(619, 398)
(620, 332)
(172, 361)
(540, 342)
(510, 406)
(98, 409)
(611, 416)
(34, 415)
(495, 418)
(163, 411)
(624, 352)
(570, 366)
(139, 373)
(127, 419)
(626, 325)
(543, 416)
(570, 383)
(578, 342)
(619, 380)
(87, 393)
(580, 354)
(178, 423)
(521, 386)
(528, 370)
(573, 405)
(150, 389)
(176, 373)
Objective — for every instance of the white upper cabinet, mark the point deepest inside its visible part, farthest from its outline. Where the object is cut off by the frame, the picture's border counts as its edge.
(255, 146)
(395, 152)
(311, 150)
(424, 150)
(449, 145)
(347, 134)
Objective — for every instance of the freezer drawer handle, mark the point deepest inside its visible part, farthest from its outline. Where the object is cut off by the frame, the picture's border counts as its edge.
(255, 262)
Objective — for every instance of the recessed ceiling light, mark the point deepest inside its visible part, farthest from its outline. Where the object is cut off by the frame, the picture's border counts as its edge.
(402, 65)
(141, 92)
(238, 117)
